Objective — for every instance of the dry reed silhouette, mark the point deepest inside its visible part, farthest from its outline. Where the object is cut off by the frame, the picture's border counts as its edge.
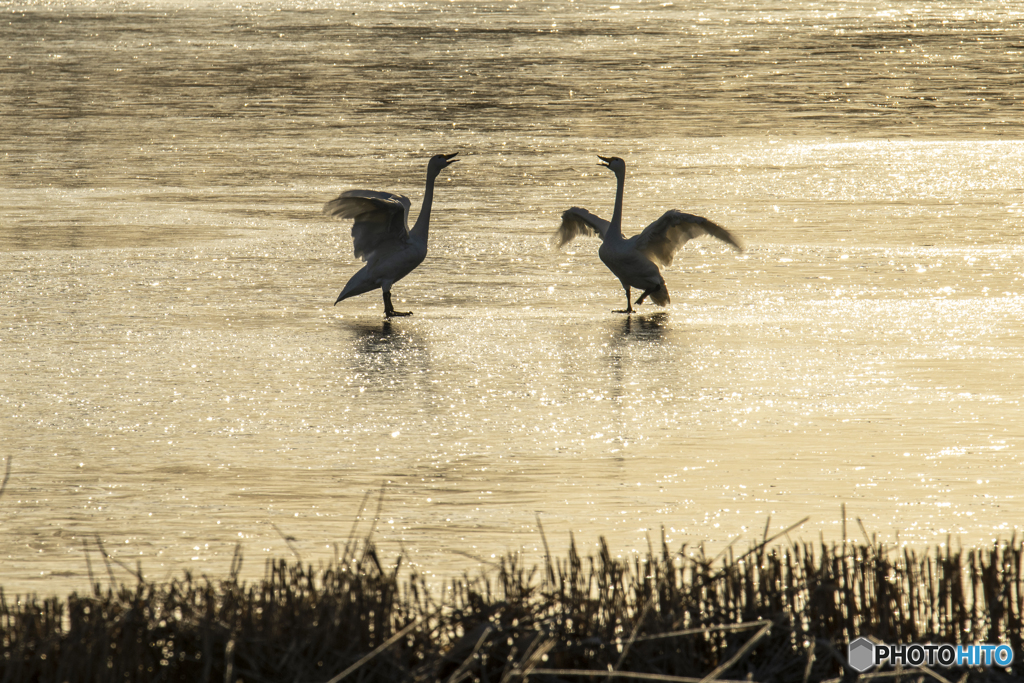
(779, 613)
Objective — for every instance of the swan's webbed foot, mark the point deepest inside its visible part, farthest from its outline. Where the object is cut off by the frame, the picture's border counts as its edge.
(389, 309)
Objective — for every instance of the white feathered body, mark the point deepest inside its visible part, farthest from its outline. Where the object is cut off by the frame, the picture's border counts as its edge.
(385, 269)
(633, 267)
(381, 234)
(635, 261)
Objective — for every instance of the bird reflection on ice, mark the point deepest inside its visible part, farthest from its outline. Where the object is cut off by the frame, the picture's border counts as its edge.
(646, 327)
(375, 338)
(383, 346)
(370, 335)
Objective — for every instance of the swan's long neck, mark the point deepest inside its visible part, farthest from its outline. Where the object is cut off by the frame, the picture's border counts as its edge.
(421, 230)
(615, 229)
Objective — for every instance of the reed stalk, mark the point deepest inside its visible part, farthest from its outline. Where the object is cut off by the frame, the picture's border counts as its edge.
(779, 613)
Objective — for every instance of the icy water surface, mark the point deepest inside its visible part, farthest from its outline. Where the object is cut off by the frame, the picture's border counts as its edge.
(176, 380)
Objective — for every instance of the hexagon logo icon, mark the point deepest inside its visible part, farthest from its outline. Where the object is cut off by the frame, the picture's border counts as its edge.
(861, 654)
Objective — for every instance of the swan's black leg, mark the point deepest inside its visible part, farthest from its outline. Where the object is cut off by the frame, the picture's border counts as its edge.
(629, 305)
(389, 309)
(644, 296)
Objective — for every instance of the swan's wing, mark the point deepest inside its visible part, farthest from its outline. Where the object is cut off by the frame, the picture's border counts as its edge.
(381, 218)
(576, 222)
(662, 239)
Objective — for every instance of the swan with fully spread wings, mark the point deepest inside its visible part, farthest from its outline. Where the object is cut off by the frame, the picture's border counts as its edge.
(635, 260)
(381, 234)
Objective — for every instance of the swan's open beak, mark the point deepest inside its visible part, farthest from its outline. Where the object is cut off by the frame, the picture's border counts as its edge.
(450, 158)
(604, 161)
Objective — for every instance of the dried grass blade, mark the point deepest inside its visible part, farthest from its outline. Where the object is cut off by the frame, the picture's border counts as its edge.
(745, 626)
(636, 629)
(635, 675)
(739, 655)
(458, 674)
(380, 648)
(7, 475)
(537, 657)
(810, 664)
(934, 674)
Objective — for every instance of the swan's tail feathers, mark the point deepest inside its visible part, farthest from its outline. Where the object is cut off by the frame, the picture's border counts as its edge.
(353, 288)
(660, 296)
(360, 283)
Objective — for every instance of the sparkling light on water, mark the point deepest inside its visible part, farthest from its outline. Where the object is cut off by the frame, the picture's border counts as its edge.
(177, 380)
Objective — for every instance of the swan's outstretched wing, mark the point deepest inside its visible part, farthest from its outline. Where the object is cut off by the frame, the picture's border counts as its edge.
(381, 218)
(662, 239)
(576, 222)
